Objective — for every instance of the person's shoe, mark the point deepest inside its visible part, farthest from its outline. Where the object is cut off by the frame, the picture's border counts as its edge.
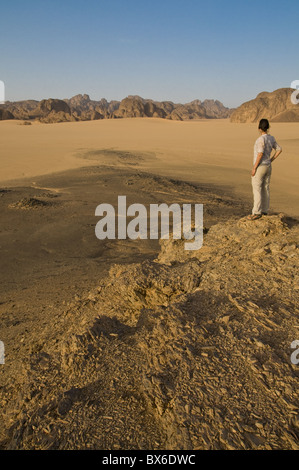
(254, 216)
(264, 213)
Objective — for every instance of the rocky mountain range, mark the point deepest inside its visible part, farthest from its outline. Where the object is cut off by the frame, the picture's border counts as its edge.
(82, 108)
(276, 106)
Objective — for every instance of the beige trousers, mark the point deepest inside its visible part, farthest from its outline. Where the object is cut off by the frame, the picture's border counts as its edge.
(261, 189)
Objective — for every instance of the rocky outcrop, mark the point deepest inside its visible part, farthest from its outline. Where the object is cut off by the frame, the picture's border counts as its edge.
(85, 109)
(275, 106)
(52, 110)
(48, 111)
(19, 109)
(132, 106)
(193, 110)
(5, 115)
(215, 109)
(53, 105)
(135, 106)
(191, 351)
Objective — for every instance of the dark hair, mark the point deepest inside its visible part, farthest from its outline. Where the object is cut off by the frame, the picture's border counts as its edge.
(264, 125)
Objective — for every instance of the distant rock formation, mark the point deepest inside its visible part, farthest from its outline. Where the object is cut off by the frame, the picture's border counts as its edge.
(82, 108)
(53, 110)
(5, 114)
(135, 106)
(19, 109)
(215, 109)
(48, 111)
(275, 106)
(47, 106)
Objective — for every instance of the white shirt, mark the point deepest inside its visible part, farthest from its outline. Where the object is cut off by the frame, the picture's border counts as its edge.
(265, 144)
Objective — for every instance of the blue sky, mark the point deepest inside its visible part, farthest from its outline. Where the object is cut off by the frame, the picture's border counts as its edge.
(165, 50)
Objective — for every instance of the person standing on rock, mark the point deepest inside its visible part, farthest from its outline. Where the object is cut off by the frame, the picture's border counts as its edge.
(262, 169)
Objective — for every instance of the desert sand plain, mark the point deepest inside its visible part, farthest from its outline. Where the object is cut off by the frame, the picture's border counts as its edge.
(208, 151)
(123, 344)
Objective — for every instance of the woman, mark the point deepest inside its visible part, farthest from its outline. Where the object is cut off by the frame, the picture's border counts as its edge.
(262, 168)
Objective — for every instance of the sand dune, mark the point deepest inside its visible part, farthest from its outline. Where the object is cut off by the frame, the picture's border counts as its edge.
(214, 151)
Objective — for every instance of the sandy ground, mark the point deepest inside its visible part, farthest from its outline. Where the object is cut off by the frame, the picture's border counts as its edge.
(105, 347)
(214, 151)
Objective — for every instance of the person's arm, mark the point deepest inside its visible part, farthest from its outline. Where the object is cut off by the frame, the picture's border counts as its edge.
(258, 161)
(277, 153)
